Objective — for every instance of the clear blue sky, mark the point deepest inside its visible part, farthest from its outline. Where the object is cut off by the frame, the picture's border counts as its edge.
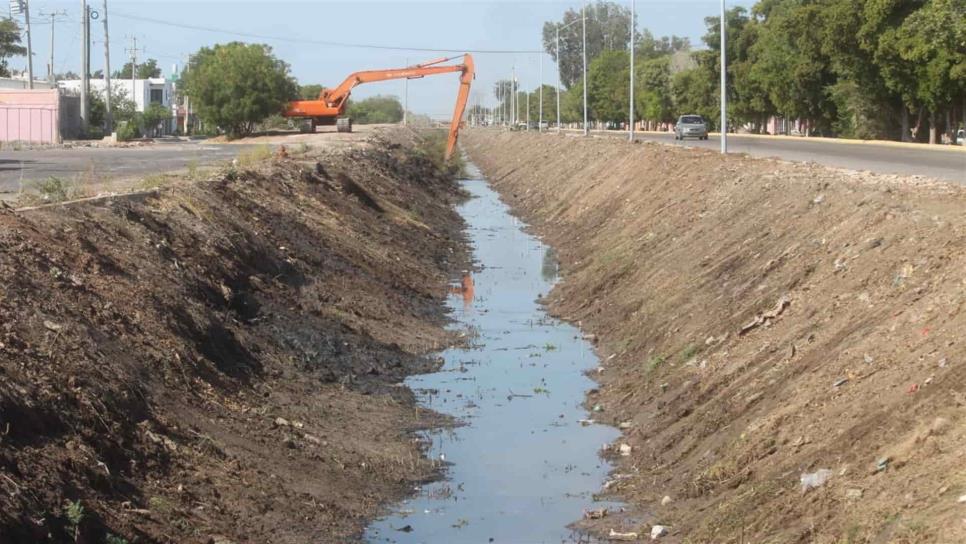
(444, 24)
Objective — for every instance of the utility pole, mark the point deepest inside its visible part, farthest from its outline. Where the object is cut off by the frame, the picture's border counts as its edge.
(540, 120)
(406, 100)
(630, 131)
(134, 68)
(30, 52)
(107, 74)
(724, 81)
(528, 111)
(53, 19)
(583, 18)
(513, 96)
(85, 73)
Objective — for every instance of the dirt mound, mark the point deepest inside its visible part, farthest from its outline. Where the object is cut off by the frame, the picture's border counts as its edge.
(783, 343)
(222, 359)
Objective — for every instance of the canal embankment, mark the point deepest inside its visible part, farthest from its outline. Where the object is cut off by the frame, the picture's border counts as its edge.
(781, 343)
(220, 359)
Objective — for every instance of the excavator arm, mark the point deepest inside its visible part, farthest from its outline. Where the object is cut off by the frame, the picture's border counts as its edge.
(331, 103)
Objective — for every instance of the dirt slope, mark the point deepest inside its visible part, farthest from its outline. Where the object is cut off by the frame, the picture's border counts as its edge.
(218, 361)
(759, 321)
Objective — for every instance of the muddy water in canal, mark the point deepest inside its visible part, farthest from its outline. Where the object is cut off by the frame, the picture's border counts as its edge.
(524, 466)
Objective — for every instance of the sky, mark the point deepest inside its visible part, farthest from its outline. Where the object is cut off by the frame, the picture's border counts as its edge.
(291, 27)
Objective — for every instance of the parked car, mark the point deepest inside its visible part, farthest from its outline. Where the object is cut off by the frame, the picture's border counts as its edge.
(961, 137)
(691, 126)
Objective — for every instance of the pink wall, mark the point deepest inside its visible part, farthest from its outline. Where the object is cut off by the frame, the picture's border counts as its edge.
(29, 116)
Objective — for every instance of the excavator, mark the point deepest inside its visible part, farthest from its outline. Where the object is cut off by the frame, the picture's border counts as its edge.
(329, 108)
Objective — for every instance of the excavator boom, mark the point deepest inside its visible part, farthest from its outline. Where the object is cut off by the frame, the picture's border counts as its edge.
(331, 103)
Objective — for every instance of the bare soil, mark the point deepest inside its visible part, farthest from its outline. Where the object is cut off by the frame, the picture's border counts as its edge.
(221, 361)
(759, 321)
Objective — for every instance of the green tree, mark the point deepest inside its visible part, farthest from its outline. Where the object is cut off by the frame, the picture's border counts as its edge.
(694, 91)
(234, 86)
(653, 97)
(146, 70)
(608, 86)
(310, 92)
(153, 116)
(9, 44)
(608, 29)
(123, 107)
(376, 109)
(549, 104)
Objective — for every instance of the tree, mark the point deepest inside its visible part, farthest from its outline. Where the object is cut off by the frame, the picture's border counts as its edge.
(123, 107)
(376, 109)
(608, 86)
(146, 70)
(652, 90)
(9, 44)
(549, 104)
(310, 92)
(234, 86)
(608, 29)
(153, 116)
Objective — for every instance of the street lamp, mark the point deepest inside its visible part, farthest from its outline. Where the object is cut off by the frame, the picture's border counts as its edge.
(583, 17)
(559, 28)
(724, 81)
(630, 132)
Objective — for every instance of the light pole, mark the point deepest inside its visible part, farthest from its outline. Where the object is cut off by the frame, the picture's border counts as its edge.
(630, 131)
(540, 116)
(583, 18)
(724, 81)
(559, 28)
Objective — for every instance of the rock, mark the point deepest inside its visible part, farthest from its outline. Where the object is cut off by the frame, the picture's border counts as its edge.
(666, 500)
(281, 422)
(853, 494)
(625, 450)
(50, 325)
(658, 531)
(624, 425)
(598, 408)
(595, 514)
(962, 499)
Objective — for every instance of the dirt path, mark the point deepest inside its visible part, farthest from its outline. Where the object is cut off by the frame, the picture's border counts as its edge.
(218, 362)
(763, 325)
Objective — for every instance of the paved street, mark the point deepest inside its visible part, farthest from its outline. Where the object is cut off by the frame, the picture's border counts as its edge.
(946, 164)
(104, 164)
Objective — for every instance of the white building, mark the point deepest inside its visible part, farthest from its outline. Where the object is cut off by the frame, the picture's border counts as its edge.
(146, 91)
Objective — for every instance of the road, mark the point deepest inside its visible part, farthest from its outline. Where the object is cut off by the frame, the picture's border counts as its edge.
(945, 164)
(99, 165)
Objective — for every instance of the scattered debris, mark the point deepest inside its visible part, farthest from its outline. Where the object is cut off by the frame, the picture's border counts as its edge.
(595, 514)
(812, 480)
(625, 450)
(765, 317)
(666, 500)
(614, 535)
(853, 494)
(840, 382)
(882, 464)
(658, 531)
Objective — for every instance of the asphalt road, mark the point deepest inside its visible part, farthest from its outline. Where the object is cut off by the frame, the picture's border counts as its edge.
(108, 163)
(946, 164)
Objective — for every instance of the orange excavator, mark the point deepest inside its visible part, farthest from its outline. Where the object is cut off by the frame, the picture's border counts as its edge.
(329, 108)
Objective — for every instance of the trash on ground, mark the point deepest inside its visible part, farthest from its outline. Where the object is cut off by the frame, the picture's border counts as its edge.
(811, 480)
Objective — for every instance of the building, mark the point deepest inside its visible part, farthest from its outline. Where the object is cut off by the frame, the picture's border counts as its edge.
(145, 92)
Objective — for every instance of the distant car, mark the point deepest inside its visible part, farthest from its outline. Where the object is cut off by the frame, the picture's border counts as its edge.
(691, 126)
(961, 137)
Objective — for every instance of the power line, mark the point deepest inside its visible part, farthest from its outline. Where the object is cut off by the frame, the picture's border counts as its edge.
(318, 42)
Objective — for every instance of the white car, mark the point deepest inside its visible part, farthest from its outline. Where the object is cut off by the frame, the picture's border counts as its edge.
(961, 137)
